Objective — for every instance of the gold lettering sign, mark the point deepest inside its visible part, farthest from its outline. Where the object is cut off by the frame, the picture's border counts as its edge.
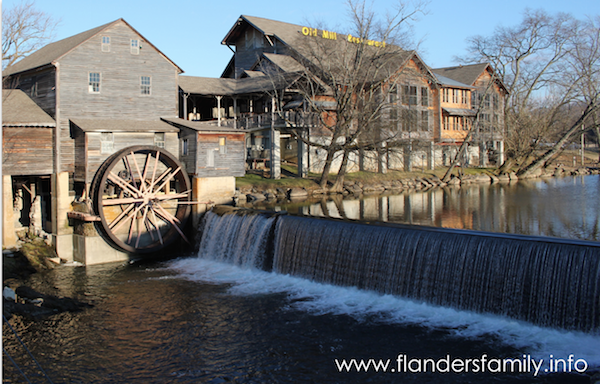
(306, 31)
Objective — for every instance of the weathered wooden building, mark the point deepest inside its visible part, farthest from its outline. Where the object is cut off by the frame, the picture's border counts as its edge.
(27, 152)
(106, 88)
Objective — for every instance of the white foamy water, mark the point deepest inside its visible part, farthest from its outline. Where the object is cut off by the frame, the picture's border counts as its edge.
(318, 298)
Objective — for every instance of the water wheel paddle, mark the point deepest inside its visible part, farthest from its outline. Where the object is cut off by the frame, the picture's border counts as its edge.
(142, 195)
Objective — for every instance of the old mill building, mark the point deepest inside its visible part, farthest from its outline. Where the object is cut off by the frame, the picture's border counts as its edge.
(74, 103)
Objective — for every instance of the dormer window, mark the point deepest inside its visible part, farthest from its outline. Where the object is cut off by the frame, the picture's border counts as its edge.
(135, 47)
(105, 43)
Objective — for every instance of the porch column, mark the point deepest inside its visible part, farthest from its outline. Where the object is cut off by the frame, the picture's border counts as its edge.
(275, 146)
(302, 155)
(431, 156)
(500, 149)
(235, 112)
(9, 238)
(219, 110)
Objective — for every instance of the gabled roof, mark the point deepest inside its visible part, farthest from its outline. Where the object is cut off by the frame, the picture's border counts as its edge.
(18, 110)
(285, 32)
(285, 62)
(466, 74)
(52, 52)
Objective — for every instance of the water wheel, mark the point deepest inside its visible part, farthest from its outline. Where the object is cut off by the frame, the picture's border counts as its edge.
(142, 195)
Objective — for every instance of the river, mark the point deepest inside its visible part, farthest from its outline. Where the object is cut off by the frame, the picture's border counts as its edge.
(192, 319)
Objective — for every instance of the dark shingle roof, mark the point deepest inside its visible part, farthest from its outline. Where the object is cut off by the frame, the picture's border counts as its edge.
(19, 110)
(466, 74)
(98, 125)
(209, 86)
(54, 51)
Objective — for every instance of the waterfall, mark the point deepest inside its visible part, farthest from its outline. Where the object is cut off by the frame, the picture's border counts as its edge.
(544, 281)
(240, 237)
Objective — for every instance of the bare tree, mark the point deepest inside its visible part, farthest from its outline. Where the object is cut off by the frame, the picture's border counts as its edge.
(349, 82)
(24, 30)
(547, 63)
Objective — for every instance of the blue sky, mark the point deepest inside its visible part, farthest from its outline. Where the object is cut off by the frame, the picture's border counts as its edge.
(190, 32)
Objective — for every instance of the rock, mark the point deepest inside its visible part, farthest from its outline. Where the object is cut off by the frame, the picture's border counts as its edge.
(9, 294)
(297, 193)
(253, 197)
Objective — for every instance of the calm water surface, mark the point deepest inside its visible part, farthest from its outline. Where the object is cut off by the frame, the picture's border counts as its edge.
(193, 320)
(566, 207)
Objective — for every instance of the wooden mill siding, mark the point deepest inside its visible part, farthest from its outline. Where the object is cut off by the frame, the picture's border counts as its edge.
(230, 163)
(120, 95)
(89, 143)
(27, 151)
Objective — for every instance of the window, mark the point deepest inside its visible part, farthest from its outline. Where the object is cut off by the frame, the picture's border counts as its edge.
(393, 95)
(222, 145)
(445, 96)
(145, 85)
(107, 142)
(184, 147)
(409, 95)
(425, 121)
(424, 97)
(455, 96)
(105, 43)
(34, 87)
(159, 139)
(135, 47)
(409, 120)
(94, 83)
(464, 97)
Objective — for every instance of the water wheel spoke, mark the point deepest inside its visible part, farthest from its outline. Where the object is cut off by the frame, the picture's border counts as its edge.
(164, 183)
(148, 225)
(173, 196)
(137, 168)
(156, 226)
(165, 173)
(124, 184)
(146, 166)
(131, 215)
(139, 236)
(167, 217)
(122, 201)
(129, 170)
(121, 215)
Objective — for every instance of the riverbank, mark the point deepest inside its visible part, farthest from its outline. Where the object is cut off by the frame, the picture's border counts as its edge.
(257, 187)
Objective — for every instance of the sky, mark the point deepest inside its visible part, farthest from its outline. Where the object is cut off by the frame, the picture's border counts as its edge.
(190, 32)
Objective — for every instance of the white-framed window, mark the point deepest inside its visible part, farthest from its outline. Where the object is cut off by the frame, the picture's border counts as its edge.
(107, 142)
(159, 139)
(145, 85)
(94, 82)
(184, 147)
(135, 46)
(105, 43)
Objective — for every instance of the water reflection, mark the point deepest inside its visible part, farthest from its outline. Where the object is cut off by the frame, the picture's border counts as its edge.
(558, 207)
